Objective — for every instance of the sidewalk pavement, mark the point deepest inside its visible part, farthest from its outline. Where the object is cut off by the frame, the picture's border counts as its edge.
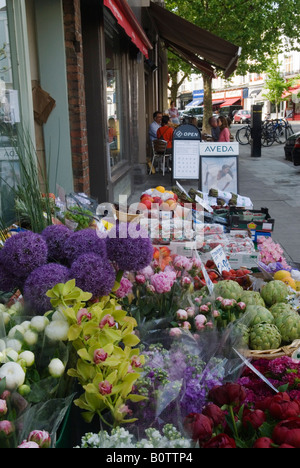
(270, 182)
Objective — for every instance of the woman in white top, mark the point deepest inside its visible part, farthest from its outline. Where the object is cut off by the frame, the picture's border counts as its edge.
(173, 113)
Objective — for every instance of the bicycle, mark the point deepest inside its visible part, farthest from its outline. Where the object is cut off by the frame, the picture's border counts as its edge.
(243, 135)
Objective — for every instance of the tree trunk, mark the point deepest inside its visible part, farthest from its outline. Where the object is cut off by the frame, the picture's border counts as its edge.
(207, 80)
(175, 85)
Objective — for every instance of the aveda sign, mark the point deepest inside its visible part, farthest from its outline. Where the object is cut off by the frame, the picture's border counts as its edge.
(219, 149)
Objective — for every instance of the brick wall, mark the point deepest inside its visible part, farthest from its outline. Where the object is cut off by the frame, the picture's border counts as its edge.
(76, 92)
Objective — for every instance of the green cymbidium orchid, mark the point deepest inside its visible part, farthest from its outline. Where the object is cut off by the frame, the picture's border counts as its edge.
(108, 359)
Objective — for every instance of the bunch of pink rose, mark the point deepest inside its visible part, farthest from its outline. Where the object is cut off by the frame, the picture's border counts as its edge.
(161, 288)
(203, 315)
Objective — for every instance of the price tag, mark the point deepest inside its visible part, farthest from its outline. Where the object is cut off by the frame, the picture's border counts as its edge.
(203, 203)
(220, 259)
(208, 281)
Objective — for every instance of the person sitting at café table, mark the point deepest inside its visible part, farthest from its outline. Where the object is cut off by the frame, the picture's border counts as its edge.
(165, 132)
(154, 126)
(215, 129)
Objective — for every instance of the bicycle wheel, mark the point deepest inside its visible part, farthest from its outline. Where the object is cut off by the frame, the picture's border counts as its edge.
(267, 137)
(289, 130)
(280, 135)
(243, 135)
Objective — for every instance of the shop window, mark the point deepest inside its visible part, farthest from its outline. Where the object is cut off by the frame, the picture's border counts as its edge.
(289, 65)
(114, 93)
(9, 119)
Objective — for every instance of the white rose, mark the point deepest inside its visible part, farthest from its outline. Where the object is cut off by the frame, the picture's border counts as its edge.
(14, 375)
(56, 368)
(39, 323)
(28, 357)
(57, 330)
(30, 337)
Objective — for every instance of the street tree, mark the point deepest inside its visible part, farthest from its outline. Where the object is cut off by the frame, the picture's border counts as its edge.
(259, 27)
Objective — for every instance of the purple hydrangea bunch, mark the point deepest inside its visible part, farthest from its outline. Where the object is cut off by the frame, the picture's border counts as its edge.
(131, 251)
(41, 280)
(84, 242)
(93, 274)
(55, 237)
(23, 253)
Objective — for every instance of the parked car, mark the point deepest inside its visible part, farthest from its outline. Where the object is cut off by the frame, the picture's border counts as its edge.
(296, 152)
(228, 111)
(289, 146)
(242, 116)
(190, 112)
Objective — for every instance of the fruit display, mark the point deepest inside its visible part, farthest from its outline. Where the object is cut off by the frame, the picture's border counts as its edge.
(286, 277)
(165, 199)
(275, 291)
(82, 218)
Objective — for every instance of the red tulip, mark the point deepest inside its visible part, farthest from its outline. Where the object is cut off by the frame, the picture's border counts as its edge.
(198, 426)
(256, 418)
(263, 442)
(215, 413)
(228, 394)
(286, 446)
(288, 432)
(221, 441)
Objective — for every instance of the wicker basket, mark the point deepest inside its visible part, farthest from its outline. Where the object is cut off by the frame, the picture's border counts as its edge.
(274, 353)
(127, 218)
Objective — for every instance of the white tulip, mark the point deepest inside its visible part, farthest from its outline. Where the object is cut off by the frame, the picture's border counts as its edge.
(26, 325)
(14, 375)
(28, 357)
(15, 329)
(10, 355)
(56, 368)
(14, 344)
(5, 317)
(39, 323)
(30, 337)
(57, 330)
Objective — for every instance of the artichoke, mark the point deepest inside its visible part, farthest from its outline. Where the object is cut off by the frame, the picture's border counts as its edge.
(252, 298)
(288, 323)
(275, 291)
(280, 308)
(265, 336)
(228, 289)
(258, 314)
(240, 335)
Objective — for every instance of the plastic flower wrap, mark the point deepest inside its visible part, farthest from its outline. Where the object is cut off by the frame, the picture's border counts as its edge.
(108, 359)
(119, 437)
(33, 380)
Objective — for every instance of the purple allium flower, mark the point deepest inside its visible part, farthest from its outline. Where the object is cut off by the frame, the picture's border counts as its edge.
(7, 281)
(56, 236)
(39, 282)
(93, 274)
(132, 251)
(84, 242)
(24, 252)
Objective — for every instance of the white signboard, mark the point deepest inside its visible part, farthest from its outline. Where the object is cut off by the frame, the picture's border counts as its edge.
(186, 164)
(219, 149)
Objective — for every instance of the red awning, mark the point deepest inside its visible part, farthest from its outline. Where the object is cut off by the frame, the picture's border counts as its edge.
(216, 102)
(230, 101)
(290, 91)
(126, 18)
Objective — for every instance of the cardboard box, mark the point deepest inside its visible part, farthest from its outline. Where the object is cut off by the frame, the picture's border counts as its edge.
(251, 219)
